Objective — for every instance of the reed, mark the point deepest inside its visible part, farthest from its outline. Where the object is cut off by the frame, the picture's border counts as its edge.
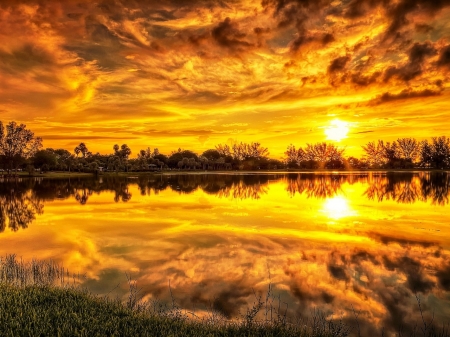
(41, 298)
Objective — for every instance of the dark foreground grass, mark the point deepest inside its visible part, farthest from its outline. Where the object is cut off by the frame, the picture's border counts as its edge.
(53, 311)
(40, 298)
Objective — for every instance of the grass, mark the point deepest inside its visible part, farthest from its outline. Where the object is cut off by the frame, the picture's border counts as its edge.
(65, 174)
(40, 298)
(52, 174)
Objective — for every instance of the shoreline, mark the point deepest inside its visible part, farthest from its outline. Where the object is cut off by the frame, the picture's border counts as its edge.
(61, 174)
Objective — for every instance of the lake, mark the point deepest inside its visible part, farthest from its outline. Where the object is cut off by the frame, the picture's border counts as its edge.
(348, 244)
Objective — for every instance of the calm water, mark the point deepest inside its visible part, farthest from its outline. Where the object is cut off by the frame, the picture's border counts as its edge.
(331, 241)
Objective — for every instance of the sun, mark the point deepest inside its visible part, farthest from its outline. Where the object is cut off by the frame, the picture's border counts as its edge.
(337, 208)
(337, 130)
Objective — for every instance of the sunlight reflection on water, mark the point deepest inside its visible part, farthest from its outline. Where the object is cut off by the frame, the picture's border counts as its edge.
(333, 241)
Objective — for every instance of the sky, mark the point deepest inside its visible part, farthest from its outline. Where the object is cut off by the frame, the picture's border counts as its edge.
(195, 73)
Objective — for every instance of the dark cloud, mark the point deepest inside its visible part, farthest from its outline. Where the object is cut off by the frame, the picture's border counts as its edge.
(443, 276)
(413, 270)
(362, 255)
(398, 12)
(228, 35)
(396, 302)
(417, 55)
(365, 80)
(298, 13)
(260, 31)
(338, 64)
(420, 51)
(387, 239)
(444, 58)
(358, 8)
(228, 301)
(25, 58)
(423, 28)
(327, 298)
(282, 6)
(305, 38)
(338, 272)
(405, 94)
(197, 39)
(103, 46)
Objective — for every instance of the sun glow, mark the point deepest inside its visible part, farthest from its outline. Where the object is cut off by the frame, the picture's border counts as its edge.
(337, 207)
(337, 130)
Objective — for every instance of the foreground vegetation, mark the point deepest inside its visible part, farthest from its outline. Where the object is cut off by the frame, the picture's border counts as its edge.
(42, 299)
(51, 311)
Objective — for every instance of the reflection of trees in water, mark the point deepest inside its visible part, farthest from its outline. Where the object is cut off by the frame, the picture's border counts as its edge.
(436, 187)
(402, 187)
(22, 199)
(240, 187)
(230, 186)
(242, 191)
(319, 185)
(18, 205)
(82, 195)
(409, 187)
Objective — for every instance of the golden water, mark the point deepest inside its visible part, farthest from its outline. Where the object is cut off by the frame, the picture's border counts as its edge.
(337, 242)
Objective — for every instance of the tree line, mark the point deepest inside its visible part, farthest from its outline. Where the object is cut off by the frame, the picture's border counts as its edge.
(20, 149)
(403, 153)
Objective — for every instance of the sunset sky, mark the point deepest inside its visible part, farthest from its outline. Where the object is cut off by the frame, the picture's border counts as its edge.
(195, 73)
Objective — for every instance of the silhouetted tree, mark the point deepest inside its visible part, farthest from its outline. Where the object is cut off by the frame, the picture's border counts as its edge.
(294, 157)
(17, 143)
(82, 148)
(45, 157)
(408, 148)
(325, 154)
(440, 154)
(122, 152)
(374, 153)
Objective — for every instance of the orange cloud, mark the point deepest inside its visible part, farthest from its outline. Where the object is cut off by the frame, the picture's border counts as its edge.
(202, 64)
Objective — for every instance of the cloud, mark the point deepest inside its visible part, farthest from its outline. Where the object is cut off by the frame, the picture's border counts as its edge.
(388, 239)
(365, 80)
(416, 281)
(444, 58)
(338, 272)
(338, 64)
(403, 95)
(399, 11)
(423, 28)
(207, 62)
(417, 55)
(443, 276)
(25, 58)
(228, 35)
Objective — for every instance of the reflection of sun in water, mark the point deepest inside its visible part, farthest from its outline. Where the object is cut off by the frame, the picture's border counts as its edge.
(337, 207)
(337, 130)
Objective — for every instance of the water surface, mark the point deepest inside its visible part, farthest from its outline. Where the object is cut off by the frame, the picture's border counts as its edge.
(367, 242)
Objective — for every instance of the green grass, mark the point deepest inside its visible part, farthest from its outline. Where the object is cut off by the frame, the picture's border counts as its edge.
(52, 311)
(65, 174)
(40, 298)
(52, 174)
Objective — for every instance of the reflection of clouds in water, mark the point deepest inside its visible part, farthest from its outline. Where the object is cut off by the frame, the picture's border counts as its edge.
(379, 280)
(214, 258)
